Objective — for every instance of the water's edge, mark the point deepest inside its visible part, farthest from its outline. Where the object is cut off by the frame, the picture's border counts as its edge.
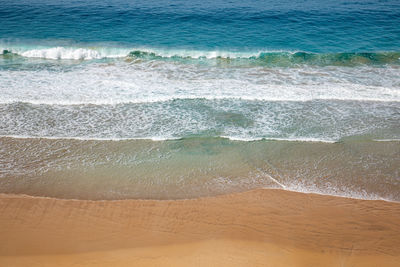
(197, 167)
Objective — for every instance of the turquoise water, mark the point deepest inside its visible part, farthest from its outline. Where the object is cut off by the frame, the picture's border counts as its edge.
(197, 76)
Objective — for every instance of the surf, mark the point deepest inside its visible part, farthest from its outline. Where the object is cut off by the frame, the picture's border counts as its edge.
(234, 58)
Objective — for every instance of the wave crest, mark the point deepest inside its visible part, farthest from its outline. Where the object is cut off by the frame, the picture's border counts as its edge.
(68, 53)
(269, 58)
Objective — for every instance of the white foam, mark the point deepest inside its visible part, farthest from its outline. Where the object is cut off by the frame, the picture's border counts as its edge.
(142, 82)
(242, 139)
(164, 138)
(72, 53)
(313, 140)
(386, 140)
(303, 187)
(84, 138)
(159, 138)
(295, 139)
(63, 53)
(284, 99)
(168, 99)
(209, 54)
(332, 192)
(88, 53)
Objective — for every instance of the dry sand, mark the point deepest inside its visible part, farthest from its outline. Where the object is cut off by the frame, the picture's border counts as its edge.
(265, 227)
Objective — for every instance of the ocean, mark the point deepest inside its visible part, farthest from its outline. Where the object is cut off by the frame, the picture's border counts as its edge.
(117, 99)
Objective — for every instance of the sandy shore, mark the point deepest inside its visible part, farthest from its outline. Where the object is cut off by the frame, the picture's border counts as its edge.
(264, 227)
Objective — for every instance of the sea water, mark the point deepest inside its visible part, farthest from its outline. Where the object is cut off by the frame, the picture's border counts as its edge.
(178, 99)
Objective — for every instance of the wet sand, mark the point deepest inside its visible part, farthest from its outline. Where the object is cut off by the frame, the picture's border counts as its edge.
(264, 227)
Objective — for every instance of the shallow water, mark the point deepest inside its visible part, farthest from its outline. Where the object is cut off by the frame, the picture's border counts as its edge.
(196, 167)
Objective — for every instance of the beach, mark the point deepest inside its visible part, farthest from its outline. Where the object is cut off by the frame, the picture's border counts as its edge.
(200, 133)
(263, 227)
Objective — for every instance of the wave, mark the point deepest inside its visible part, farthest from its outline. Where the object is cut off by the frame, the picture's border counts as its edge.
(313, 140)
(161, 139)
(168, 100)
(269, 58)
(279, 58)
(316, 121)
(72, 53)
(148, 82)
(153, 138)
(165, 138)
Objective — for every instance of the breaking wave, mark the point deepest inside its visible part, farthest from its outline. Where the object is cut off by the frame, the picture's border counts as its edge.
(269, 58)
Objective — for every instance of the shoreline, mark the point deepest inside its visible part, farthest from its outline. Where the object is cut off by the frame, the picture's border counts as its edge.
(15, 195)
(197, 167)
(251, 228)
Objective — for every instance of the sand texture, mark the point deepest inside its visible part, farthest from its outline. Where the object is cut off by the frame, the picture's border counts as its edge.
(265, 227)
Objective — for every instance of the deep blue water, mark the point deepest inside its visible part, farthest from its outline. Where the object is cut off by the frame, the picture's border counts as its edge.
(310, 25)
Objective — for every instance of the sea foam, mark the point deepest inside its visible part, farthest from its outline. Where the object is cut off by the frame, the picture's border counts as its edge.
(254, 57)
(146, 81)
